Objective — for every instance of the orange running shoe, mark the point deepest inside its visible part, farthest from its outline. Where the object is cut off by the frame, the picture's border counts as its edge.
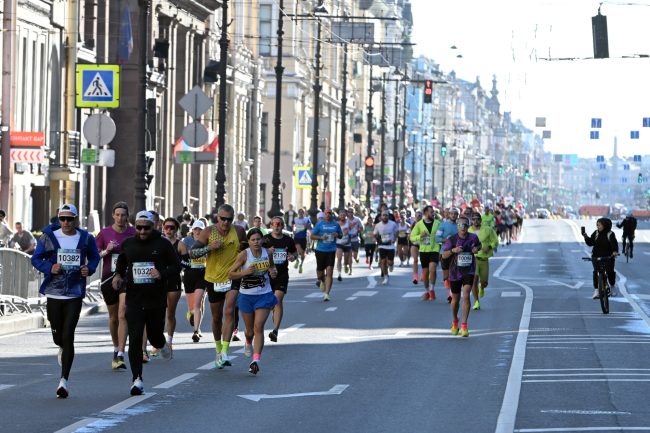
(425, 297)
(432, 295)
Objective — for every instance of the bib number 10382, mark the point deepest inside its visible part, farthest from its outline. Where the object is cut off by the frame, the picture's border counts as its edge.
(70, 260)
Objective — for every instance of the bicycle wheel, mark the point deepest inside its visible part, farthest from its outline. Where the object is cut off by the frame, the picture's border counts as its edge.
(602, 293)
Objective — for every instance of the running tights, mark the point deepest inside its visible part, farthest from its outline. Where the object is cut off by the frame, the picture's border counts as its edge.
(63, 315)
(137, 319)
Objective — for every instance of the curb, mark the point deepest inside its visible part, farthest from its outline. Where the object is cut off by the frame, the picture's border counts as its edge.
(28, 322)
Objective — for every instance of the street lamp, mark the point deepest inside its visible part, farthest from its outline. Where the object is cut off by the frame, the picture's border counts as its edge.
(313, 210)
(344, 114)
(223, 107)
(443, 153)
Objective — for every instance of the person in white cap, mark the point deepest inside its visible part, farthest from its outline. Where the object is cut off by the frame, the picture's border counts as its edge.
(66, 255)
(194, 282)
(145, 263)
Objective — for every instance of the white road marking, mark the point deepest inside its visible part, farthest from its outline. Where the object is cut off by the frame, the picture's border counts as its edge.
(208, 366)
(365, 293)
(351, 298)
(5, 386)
(584, 374)
(529, 250)
(553, 250)
(335, 390)
(413, 294)
(586, 369)
(76, 426)
(508, 412)
(331, 309)
(293, 328)
(315, 295)
(131, 401)
(371, 282)
(647, 253)
(582, 380)
(175, 381)
(576, 286)
(642, 297)
(584, 412)
(510, 294)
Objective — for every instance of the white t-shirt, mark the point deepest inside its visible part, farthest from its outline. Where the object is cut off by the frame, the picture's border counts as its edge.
(66, 242)
(387, 232)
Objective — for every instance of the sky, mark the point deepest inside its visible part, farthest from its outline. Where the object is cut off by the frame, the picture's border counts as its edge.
(514, 40)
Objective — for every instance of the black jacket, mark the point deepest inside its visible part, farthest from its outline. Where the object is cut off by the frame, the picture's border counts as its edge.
(628, 225)
(604, 243)
(157, 250)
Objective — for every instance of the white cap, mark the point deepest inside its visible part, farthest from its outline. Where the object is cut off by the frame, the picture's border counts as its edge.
(68, 208)
(144, 215)
(320, 215)
(198, 224)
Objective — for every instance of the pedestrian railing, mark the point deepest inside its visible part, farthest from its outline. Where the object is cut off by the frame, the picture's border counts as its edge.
(20, 281)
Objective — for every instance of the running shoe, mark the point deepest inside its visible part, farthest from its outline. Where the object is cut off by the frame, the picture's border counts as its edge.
(226, 359)
(118, 363)
(62, 390)
(59, 356)
(346, 268)
(218, 362)
(145, 356)
(390, 268)
(248, 349)
(339, 277)
(367, 261)
(235, 337)
(273, 336)
(425, 297)
(432, 295)
(477, 305)
(454, 328)
(318, 282)
(138, 387)
(463, 331)
(253, 368)
(595, 295)
(295, 265)
(166, 351)
(481, 292)
(300, 269)
(370, 266)
(190, 317)
(415, 277)
(384, 281)
(350, 271)
(154, 353)
(326, 297)
(195, 337)
(322, 286)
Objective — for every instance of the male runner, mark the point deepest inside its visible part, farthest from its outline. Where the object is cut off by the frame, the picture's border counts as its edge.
(300, 226)
(326, 232)
(423, 234)
(386, 233)
(489, 241)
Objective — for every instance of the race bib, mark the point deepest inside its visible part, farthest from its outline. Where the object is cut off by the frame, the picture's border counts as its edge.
(114, 261)
(199, 262)
(387, 238)
(465, 259)
(344, 240)
(222, 287)
(300, 227)
(142, 272)
(402, 234)
(279, 256)
(70, 260)
(425, 240)
(328, 237)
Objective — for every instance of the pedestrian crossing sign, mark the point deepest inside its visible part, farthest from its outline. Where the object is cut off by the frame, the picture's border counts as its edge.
(98, 86)
(302, 176)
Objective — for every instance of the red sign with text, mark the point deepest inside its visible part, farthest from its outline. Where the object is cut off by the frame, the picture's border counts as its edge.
(27, 139)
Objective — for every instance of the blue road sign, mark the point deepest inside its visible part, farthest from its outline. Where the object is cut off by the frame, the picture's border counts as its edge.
(98, 86)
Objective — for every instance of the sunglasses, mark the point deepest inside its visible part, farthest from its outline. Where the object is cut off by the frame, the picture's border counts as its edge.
(463, 225)
(143, 228)
(170, 227)
(225, 219)
(66, 218)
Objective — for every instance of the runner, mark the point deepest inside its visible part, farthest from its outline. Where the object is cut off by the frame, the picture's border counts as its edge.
(300, 226)
(174, 288)
(422, 234)
(194, 283)
(447, 229)
(489, 241)
(356, 225)
(241, 221)
(257, 224)
(369, 241)
(403, 231)
(386, 233)
(459, 249)
(415, 248)
(344, 246)
(221, 243)
(66, 255)
(146, 262)
(109, 242)
(282, 249)
(253, 267)
(326, 232)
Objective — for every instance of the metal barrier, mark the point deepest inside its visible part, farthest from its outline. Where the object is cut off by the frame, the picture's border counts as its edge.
(20, 281)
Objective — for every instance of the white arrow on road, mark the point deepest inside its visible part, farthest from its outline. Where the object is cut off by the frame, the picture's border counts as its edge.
(576, 286)
(372, 283)
(336, 390)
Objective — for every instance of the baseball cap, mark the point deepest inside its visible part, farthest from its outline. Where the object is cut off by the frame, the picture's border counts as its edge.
(386, 212)
(144, 215)
(454, 210)
(198, 224)
(320, 215)
(68, 208)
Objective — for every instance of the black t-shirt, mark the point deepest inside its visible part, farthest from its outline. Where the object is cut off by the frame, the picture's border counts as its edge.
(282, 248)
(429, 225)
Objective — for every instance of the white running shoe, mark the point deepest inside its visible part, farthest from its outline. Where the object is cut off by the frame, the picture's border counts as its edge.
(384, 281)
(137, 388)
(166, 351)
(62, 390)
(218, 362)
(248, 349)
(595, 295)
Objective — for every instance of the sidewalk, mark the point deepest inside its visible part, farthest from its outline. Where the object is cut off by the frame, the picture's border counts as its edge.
(17, 323)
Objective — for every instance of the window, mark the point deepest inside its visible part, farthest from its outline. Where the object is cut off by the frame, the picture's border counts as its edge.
(264, 133)
(265, 30)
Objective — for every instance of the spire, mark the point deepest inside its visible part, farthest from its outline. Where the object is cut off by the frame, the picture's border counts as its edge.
(615, 156)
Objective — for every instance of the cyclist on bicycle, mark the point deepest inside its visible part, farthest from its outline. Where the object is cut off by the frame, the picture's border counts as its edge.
(628, 224)
(604, 244)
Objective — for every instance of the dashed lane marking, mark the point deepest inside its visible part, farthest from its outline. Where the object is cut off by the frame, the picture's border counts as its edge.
(365, 293)
(79, 424)
(314, 295)
(510, 294)
(175, 381)
(413, 294)
(131, 401)
(331, 309)
(2, 387)
(351, 298)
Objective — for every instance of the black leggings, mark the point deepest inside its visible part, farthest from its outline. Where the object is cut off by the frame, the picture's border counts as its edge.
(611, 274)
(63, 315)
(137, 319)
(370, 250)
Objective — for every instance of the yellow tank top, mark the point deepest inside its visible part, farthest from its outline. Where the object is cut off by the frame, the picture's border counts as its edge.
(219, 261)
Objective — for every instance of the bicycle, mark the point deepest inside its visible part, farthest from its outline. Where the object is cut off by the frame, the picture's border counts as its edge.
(601, 277)
(628, 248)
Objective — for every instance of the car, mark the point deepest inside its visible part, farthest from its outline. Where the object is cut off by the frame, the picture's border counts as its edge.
(543, 213)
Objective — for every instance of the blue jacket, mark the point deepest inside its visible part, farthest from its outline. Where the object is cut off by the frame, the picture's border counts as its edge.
(64, 283)
(446, 230)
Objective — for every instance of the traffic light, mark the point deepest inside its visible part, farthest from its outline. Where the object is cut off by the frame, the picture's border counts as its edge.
(443, 149)
(640, 178)
(370, 168)
(428, 91)
(527, 175)
(500, 170)
(148, 177)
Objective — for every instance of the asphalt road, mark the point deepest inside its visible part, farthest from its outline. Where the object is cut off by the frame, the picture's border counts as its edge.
(541, 357)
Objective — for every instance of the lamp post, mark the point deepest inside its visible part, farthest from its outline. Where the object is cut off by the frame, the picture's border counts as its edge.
(383, 139)
(223, 107)
(276, 209)
(344, 114)
(442, 192)
(395, 125)
(313, 210)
